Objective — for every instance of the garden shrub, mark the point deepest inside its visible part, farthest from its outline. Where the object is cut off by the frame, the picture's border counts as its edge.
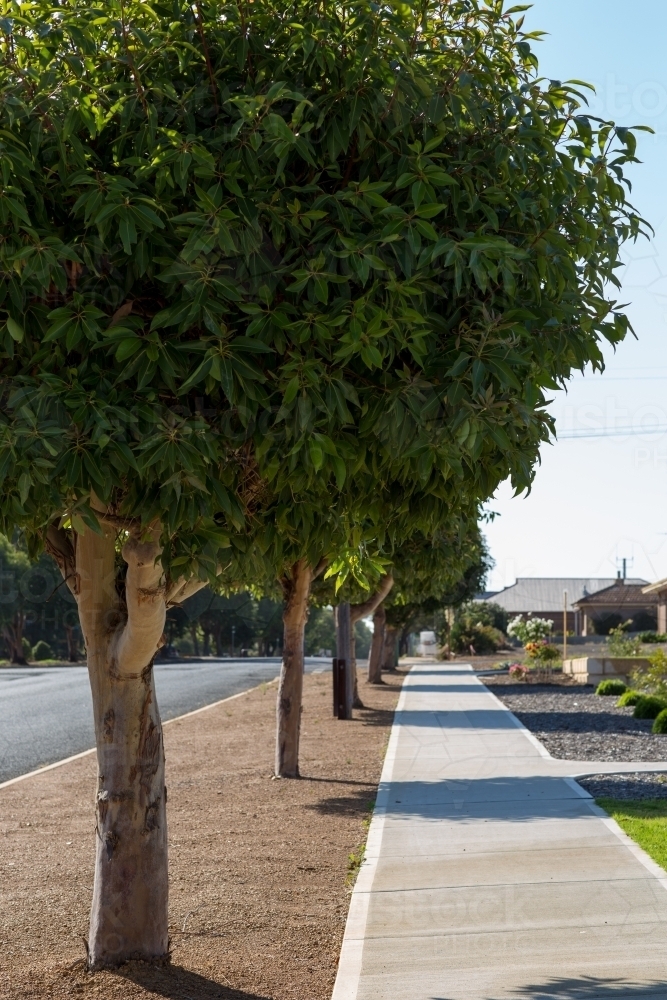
(27, 648)
(631, 697)
(542, 653)
(660, 724)
(610, 687)
(652, 637)
(649, 707)
(621, 644)
(654, 677)
(42, 651)
(483, 638)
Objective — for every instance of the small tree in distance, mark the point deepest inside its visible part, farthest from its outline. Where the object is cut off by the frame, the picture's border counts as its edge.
(432, 575)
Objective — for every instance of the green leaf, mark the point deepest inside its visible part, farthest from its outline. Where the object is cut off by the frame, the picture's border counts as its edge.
(25, 483)
(16, 331)
(291, 390)
(127, 348)
(316, 454)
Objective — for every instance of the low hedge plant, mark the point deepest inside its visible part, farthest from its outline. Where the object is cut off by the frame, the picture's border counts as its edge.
(631, 697)
(649, 707)
(660, 724)
(611, 687)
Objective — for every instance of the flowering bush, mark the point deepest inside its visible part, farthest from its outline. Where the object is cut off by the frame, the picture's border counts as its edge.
(531, 630)
(518, 672)
(542, 653)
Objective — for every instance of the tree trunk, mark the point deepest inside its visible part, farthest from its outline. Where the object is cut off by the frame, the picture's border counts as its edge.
(359, 611)
(377, 646)
(122, 622)
(195, 640)
(296, 588)
(72, 645)
(389, 650)
(207, 642)
(13, 636)
(129, 906)
(356, 698)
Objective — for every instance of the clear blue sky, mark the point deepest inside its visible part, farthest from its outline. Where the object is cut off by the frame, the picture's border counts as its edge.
(596, 501)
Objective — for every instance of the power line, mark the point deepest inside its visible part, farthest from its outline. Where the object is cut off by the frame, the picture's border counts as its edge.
(603, 432)
(602, 379)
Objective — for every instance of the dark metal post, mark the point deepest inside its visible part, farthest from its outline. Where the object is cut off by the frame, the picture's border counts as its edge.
(346, 680)
(338, 688)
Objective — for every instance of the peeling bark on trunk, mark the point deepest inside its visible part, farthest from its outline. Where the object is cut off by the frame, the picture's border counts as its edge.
(296, 588)
(377, 646)
(129, 907)
(122, 625)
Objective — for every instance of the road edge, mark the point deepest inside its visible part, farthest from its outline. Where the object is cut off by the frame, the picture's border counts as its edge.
(87, 753)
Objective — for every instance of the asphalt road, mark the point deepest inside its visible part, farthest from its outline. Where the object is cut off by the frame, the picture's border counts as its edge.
(46, 713)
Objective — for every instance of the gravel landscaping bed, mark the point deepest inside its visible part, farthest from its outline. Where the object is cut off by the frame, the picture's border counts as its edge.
(626, 786)
(574, 723)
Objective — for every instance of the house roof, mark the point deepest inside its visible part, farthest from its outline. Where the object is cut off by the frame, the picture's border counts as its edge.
(656, 588)
(538, 594)
(622, 594)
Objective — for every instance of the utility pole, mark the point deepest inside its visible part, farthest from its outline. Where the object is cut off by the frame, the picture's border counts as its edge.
(233, 634)
(564, 626)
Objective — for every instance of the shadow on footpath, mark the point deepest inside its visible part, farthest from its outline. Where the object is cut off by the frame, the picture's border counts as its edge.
(589, 988)
(176, 983)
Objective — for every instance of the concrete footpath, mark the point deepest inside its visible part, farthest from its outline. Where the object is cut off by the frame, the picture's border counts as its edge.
(489, 872)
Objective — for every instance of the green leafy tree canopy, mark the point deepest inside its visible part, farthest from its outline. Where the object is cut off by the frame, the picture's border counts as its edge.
(313, 240)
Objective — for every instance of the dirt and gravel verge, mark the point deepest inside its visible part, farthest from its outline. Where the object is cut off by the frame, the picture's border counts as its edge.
(259, 875)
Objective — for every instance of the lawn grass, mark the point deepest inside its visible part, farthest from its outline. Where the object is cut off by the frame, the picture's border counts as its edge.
(644, 820)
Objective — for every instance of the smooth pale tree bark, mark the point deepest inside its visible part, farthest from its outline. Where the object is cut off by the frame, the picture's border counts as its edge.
(377, 645)
(122, 622)
(359, 611)
(296, 590)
